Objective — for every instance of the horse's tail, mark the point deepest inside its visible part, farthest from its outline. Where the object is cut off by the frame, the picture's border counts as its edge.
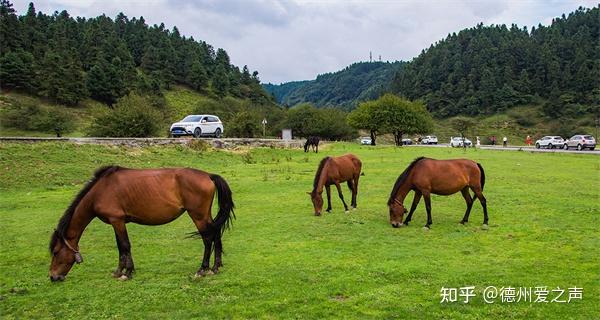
(226, 214)
(482, 179)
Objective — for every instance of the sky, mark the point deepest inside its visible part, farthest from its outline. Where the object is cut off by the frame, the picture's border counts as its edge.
(297, 40)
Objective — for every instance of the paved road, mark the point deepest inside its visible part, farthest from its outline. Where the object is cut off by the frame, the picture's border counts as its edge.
(513, 148)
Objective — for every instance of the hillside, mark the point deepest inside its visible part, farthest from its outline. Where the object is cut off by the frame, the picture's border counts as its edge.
(358, 82)
(67, 60)
(488, 69)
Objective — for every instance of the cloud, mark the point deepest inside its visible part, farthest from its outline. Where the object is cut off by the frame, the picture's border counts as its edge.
(296, 40)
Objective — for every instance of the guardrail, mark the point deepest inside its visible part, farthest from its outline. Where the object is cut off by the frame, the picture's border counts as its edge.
(225, 143)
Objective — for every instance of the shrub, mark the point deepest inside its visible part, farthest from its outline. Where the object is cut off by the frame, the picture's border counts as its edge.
(132, 116)
(30, 117)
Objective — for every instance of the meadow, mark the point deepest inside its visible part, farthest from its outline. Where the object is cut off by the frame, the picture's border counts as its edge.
(281, 261)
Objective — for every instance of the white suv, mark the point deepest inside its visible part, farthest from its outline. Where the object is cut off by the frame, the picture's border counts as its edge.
(581, 141)
(460, 142)
(429, 140)
(198, 126)
(550, 142)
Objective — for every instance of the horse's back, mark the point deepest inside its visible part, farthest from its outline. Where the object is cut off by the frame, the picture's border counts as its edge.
(446, 176)
(152, 196)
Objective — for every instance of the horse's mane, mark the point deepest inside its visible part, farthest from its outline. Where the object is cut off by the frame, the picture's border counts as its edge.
(318, 174)
(63, 223)
(402, 178)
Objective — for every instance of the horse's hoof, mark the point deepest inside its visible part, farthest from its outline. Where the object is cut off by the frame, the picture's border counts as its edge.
(485, 227)
(123, 278)
(209, 272)
(116, 274)
(425, 228)
(346, 212)
(354, 209)
(463, 223)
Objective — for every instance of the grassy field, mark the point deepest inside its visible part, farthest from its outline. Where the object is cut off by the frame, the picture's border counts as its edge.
(283, 262)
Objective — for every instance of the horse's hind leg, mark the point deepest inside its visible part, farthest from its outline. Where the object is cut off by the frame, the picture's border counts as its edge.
(218, 253)
(337, 185)
(352, 188)
(413, 207)
(479, 195)
(125, 268)
(469, 201)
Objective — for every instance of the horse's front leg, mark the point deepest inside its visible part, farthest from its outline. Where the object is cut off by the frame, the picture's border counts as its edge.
(125, 268)
(413, 207)
(337, 185)
(328, 190)
(427, 198)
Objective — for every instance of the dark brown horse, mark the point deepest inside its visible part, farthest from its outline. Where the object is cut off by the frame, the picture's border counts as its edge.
(443, 177)
(312, 141)
(335, 170)
(118, 195)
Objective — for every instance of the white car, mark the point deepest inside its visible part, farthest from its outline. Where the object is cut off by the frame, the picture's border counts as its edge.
(460, 142)
(550, 142)
(580, 142)
(198, 126)
(429, 140)
(365, 140)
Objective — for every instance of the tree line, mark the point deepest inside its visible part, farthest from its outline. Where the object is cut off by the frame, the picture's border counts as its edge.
(487, 69)
(68, 59)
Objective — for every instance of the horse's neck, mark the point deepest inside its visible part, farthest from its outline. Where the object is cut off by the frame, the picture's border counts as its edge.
(82, 216)
(323, 178)
(403, 191)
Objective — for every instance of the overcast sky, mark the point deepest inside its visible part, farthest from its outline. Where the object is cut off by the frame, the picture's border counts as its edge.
(297, 40)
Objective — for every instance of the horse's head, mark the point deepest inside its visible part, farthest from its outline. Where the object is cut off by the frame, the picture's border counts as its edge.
(317, 201)
(63, 258)
(397, 212)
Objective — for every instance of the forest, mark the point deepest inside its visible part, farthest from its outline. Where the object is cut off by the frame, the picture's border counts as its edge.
(343, 89)
(488, 69)
(67, 59)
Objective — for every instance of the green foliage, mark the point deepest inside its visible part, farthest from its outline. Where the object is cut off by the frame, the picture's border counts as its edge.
(31, 117)
(99, 57)
(358, 82)
(391, 114)
(244, 124)
(305, 120)
(462, 125)
(132, 116)
(488, 69)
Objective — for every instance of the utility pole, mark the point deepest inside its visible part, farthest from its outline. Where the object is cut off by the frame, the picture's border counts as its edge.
(264, 123)
(370, 56)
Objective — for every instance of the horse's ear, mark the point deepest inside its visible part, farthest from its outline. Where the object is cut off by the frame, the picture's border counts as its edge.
(78, 257)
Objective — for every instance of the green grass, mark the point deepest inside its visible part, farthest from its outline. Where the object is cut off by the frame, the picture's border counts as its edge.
(283, 262)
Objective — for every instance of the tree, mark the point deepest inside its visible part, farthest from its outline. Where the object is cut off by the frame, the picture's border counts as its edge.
(244, 125)
(197, 76)
(462, 125)
(16, 70)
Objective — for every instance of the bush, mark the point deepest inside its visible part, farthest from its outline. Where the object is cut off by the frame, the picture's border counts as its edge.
(244, 125)
(30, 117)
(132, 116)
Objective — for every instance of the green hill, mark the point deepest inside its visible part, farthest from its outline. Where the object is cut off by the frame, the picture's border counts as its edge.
(358, 82)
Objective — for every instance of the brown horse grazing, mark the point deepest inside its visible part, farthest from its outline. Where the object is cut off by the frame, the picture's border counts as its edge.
(444, 177)
(335, 170)
(119, 195)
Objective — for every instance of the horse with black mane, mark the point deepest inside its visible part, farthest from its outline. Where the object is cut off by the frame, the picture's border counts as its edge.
(443, 177)
(335, 170)
(119, 195)
(312, 141)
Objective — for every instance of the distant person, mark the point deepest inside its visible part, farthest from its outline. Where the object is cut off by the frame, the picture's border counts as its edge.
(493, 139)
(478, 142)
(528, 141)
(504, 141)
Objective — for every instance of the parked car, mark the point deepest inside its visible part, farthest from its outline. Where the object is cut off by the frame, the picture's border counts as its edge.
(581, 141)
(460, 142)
(550, 142)
(365, 140)
(429, 140)
(198, 126)
(406, 141)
